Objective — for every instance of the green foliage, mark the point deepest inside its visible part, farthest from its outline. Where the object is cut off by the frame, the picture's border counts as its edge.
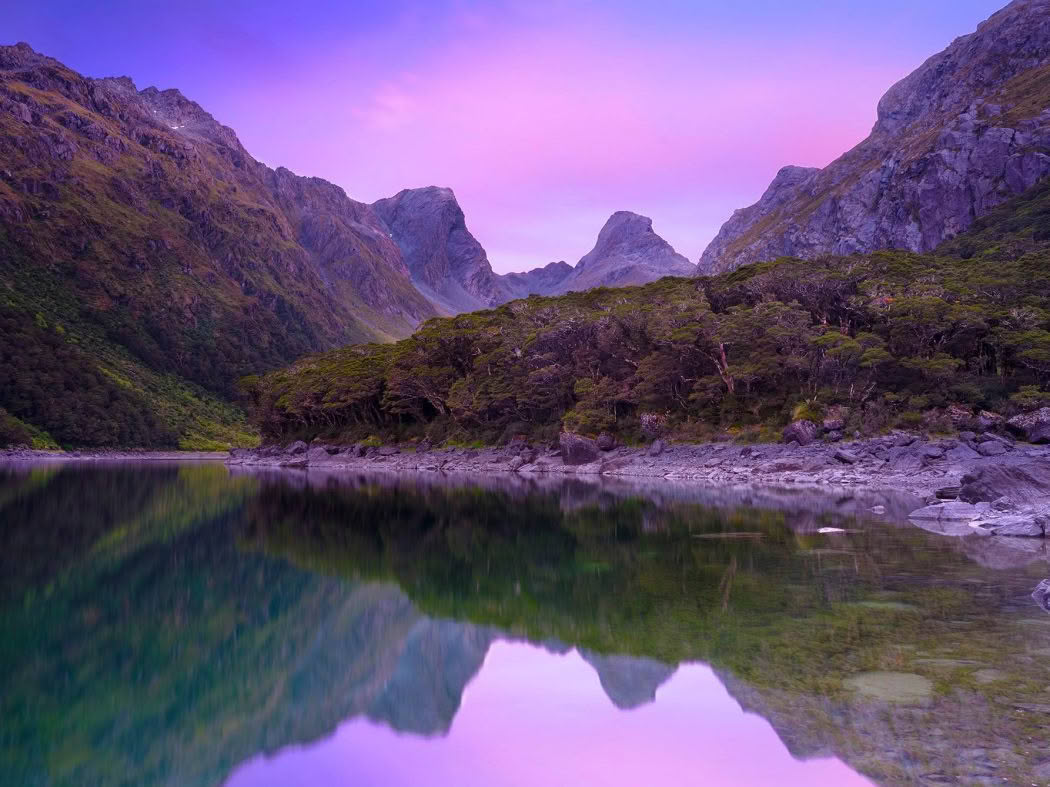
(886, 337)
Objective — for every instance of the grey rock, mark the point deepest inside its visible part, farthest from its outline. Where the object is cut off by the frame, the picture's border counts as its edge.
(834, 424)
(577, 449)
(317, 455)
(954, 511)
(606, 442)
(1018, 526)
(627, 252)
(833, 437)
(1041, 594)
(846, 457)
(801, 432)
(516, 464)
(1003, 504)
(446, 262)
(1039, 434)
(961, 453)
(962, 159)
(1025, 482)
(992, 448)
(1030, 425)
(657, 448)
(389, 450)
(296, 448)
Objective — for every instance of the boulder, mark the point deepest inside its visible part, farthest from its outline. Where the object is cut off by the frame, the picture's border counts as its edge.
(317, 454)
(904, 440)
(954, 511)
(389, 450)
(1003, 504)
(296, 448)
(657, 448)
(424, 446)
(992, 448)
(1041, 594)
(528, 455)
(1023, 526)
(606, 442)
(961, 453)
(833, 437)
(1029, 425)
(801, 432)
(577, 449)
(1025, 482)
(516, 464)
(1039, 434)
(834, 424)
(846, 457)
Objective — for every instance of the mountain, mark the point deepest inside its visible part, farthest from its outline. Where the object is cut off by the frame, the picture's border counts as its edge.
(450, 267)
(627, 252)
(446, 262)
(964, 133)
(166, 260)
(922, 336)
(539, 281)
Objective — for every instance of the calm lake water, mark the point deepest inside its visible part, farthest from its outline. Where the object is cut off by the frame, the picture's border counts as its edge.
(185, 625)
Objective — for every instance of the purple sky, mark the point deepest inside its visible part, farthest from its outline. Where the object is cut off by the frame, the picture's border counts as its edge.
(543, 117)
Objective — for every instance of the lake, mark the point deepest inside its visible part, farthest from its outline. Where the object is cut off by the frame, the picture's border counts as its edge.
(185, 624)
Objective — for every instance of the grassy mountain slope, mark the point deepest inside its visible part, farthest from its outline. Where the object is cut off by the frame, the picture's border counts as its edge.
(174, 261)
(887, 339)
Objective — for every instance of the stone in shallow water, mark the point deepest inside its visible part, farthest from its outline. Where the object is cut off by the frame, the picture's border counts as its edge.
(902, 687)
(946, 511)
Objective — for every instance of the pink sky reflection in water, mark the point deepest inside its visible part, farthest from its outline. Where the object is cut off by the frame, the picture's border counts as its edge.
(531, 717)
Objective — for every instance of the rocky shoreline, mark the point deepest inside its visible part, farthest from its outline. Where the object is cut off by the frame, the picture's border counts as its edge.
(32, 455)
(987, 484)
(900, 462)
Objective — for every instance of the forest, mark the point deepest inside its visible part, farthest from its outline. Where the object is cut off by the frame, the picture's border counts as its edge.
(887, 340)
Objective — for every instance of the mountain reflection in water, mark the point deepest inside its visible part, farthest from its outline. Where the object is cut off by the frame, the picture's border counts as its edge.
(179, 624)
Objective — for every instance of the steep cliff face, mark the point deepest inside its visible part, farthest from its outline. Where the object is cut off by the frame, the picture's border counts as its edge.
(148, 218)
(450, 267)
(627, 252)
(446, 262)
(964, 133)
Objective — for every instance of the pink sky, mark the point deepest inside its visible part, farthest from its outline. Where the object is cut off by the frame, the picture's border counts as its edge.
(531, 717)
(544, 116)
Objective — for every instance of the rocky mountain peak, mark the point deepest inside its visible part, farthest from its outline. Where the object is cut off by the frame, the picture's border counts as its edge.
(968, 130)
(187, 117)
(628, 251)
(446, 262)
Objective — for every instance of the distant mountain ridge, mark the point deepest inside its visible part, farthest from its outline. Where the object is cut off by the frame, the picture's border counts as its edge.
(964, 133)
(451, 268)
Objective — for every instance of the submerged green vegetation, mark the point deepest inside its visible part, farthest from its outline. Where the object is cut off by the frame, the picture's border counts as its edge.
(884, 340)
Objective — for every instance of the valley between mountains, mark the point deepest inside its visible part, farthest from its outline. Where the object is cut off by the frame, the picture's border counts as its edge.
(160, 288)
